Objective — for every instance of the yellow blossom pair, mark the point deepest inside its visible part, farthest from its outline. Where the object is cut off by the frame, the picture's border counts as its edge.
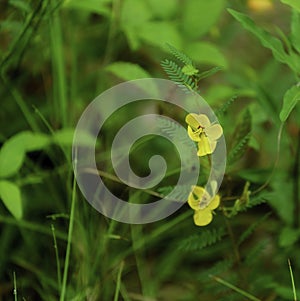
(201, 130)
(203, 204)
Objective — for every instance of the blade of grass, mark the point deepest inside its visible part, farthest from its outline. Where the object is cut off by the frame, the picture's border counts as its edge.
(292, 279)
(15, 288)
(58, 67)
(233, 287)
(68, 251)
(118, 285)
(31, 226)
(21, 104)
(56, 257)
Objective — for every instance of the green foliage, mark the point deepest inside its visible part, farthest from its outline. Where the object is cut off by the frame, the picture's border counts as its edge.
(293, 3)
(295, 30)
(200, 241)
(291, 97)
(127, 71)
(267, 40)
(11, 197)
(224, 108)
(176, 74)
(250, 230)
(56, 56)
(241, 138)
(207, 53)
(196, 21)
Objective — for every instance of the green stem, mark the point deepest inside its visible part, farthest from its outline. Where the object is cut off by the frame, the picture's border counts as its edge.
(15, 288)
(56, 257)
(292, 279)
(68, 251)
(233, 287)
(58, 65)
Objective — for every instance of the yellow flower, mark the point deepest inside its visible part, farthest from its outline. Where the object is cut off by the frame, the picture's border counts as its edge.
(260, 5)
(202, 131)
(203, 204)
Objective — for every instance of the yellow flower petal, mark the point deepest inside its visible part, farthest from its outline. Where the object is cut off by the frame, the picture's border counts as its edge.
(214, 203)
(195, 136)
(195, 197)
(214, 132)
(203, 120)
(203, 217)
(192, 121)
(205, 146)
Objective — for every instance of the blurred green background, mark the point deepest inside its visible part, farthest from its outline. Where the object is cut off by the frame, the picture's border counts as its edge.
(55, 58)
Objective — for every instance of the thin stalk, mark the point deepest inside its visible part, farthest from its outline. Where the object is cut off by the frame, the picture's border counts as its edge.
(58, 65)
(118, 285)
(56, 257)
(21, 104)
(233, 287)
(15, 287)
(292, 279)
(68, 251)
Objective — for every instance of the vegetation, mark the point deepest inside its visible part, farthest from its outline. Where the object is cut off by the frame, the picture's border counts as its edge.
(243, 58)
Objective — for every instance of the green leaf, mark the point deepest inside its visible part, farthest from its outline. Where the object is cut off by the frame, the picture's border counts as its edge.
(12, 155)
(92, 6)
(11, 197)
(163, 9)
(295, 30)
(288, 236)
(241, 137)
(158, 33)
(199, 16)
(33, 141)
(206, 238)
(189, 70)
(13, 151)
(293, 3)
(134, 14)
(290, 100)
(266, 39)
(206, 53)
(66, 136)
(127, 71)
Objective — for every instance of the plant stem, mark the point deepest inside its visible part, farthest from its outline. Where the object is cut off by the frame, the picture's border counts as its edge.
(296, 184)
(68, 251)
(15, 287)
(56, 257)
(233, 287)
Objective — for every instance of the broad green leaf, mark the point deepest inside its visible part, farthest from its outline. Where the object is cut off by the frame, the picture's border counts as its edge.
(92, 6)
(206, 53)
(11, 197)
(127, 71)
(158, 33)
(295, 30)
(293, 3)
(66, 136)
(266, 39)
(163, 9)
(13, 151)
(288, 236)
(134, 13)
(199, 16)
(291, 97)
(12, 155)
(33, 141)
